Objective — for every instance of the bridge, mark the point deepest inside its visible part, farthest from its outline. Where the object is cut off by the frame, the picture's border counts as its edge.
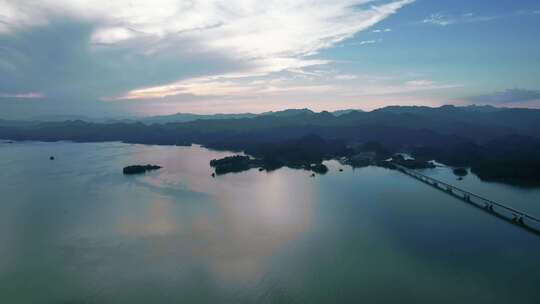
(511, 215)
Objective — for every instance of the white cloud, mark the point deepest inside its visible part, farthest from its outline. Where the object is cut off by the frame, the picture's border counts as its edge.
(16, 14)
(111, 35)
(325, 92)
(250, 28)
(441, 19)
(224, 87)
(367, 42)
(239, 88)
(438, 19)
(385, 89)
(386, 30)
(525, 12)
(29, 95)
(420, 83)
(272, 36)
(265, 36)
(346, 77)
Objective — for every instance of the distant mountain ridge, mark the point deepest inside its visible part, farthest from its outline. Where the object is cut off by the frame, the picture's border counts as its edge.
(187, 117)
(475, 123)
(178, 117)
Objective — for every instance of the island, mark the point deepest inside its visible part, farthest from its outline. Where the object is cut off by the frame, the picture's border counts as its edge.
(318, 168)
(229, 164)
(239, 163)
(139, 169)
(460, 172)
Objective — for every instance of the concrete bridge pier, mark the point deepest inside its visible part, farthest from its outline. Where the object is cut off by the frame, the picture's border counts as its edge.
(518, 218)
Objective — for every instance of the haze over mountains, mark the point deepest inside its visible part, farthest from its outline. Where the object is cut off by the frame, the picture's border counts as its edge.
(475, 123)
(178, 117)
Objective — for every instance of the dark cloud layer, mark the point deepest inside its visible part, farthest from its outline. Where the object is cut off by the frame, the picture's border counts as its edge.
(58, 61)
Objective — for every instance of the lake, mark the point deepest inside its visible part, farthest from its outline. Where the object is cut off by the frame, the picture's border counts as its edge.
(76, 230)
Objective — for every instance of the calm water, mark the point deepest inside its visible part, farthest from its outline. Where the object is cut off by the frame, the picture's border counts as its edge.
(75, 230)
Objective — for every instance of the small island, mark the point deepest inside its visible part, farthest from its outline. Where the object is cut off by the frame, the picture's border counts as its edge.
(239, 163)
(229, 164)
(139, 169)
(460, 172)
(319, 168)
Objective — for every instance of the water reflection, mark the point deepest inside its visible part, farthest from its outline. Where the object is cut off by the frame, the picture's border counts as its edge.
(77, 230)
(157, 219)
(248, 218)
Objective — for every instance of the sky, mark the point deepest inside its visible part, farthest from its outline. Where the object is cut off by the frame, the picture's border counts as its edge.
(103, 58)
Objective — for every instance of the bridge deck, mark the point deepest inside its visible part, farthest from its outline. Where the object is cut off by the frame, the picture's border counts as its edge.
(519, 218)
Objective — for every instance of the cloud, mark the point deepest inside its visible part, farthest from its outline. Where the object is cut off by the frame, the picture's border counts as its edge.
(324, 91)
(60, 61)
(221, 84)
(366, 42)
(346, 77)
(506, 97)
(111, 35)
(528, 12)
(29, 95)
(82, 51)
(305, 28)
(61, 54)
(237, 88)
(420, 83)
(225, 86)
(438, 19)
(382, 88)
(242, 27)
(441, 19)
